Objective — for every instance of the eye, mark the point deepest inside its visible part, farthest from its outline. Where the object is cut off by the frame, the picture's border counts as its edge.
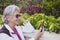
(17, 16)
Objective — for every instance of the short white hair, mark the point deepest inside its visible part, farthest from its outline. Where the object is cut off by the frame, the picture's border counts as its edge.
(9, 10)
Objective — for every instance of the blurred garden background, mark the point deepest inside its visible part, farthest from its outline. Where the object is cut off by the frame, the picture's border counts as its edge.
(37, 11)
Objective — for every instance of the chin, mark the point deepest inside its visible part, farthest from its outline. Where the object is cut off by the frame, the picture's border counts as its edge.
(16, 23)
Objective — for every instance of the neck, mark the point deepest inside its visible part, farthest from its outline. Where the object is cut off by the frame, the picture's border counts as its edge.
(12, 26)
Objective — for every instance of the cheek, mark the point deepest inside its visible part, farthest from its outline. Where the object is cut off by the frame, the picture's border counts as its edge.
(13, 20)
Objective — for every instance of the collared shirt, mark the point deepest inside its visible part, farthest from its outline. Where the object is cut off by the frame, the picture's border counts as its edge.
(27, 28)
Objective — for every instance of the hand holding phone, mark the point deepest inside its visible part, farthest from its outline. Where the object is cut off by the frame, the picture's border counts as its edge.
(40, 32)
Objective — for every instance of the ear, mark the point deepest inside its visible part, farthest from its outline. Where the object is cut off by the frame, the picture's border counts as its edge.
(8, 17)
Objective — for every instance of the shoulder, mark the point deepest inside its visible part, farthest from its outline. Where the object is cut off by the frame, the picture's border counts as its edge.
(4, 36)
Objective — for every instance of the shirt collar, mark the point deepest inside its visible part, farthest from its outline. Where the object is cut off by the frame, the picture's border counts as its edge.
(8, 27)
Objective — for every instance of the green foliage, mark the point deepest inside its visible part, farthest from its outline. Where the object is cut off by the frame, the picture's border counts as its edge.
(51, 24)
(4, 3)
(1, 22)
(47, 7)
(25, 15)
(52, 7)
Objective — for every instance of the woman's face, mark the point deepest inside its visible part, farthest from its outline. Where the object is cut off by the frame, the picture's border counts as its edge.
(15, 19)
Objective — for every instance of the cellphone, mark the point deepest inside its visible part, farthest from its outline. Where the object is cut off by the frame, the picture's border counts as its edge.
(42, 26)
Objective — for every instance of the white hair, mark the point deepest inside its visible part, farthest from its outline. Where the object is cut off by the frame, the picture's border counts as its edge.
(9, 10)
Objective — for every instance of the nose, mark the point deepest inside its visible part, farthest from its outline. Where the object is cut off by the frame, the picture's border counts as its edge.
(19, 18)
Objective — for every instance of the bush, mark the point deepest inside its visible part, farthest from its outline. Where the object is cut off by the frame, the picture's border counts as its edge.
(51, 7)
(1, 22)
(51, 24)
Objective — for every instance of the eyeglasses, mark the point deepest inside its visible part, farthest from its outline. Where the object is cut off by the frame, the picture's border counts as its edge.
(17, 15)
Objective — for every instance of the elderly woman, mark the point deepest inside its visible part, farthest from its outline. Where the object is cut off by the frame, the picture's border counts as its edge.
(11, 30)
